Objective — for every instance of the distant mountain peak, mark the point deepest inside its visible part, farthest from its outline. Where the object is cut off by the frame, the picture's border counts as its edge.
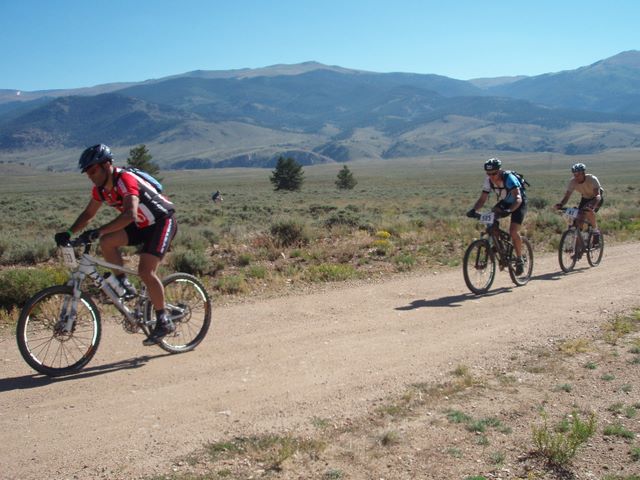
(629, 58)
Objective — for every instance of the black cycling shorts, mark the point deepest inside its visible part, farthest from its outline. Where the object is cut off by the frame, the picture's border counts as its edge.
(518, 215)
(155, 239)
(586, 201)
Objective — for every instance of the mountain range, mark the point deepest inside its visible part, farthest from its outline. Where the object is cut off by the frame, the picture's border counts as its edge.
(318, 113)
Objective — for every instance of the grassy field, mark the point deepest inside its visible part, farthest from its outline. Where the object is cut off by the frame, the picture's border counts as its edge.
(401, 215)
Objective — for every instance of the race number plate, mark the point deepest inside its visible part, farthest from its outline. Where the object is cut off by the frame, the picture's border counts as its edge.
(487, 218)
(571, 213)
(69, 257)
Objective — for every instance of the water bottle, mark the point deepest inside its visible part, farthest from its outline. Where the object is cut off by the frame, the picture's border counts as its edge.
(114, 283)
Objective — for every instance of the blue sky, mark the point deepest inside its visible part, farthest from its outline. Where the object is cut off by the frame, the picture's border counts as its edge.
(49, 44)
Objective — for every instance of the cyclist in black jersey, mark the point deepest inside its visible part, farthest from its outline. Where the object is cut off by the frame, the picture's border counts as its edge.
(146, 218)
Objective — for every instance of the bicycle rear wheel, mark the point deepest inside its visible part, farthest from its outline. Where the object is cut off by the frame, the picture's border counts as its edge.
(188, 305)
(479, 267)
(567, 250)
(42, 341)
(595, 251)
(527, 257)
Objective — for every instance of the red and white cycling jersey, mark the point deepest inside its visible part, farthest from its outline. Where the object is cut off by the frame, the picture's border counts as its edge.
(152, 205)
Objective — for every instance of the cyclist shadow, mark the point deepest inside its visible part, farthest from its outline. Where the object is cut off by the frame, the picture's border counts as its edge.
(37, 380)
(451, 301)
(558, 275)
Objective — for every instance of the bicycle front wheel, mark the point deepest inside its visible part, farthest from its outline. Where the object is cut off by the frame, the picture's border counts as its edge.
(47, 342)
(188, 305)
(567, 250)
(479, 267)
(595, 250)
(527, 257)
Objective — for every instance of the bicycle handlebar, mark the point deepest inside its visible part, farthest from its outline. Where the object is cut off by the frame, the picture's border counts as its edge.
(79, 242)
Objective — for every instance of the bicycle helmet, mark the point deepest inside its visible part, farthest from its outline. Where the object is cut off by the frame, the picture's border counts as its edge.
(492, 164)
(97, 154)
(578, 167)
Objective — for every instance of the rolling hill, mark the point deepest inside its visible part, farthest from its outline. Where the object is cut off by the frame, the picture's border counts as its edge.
(318, 113)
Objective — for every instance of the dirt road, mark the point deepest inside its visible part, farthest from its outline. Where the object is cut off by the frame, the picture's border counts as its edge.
(273, 365)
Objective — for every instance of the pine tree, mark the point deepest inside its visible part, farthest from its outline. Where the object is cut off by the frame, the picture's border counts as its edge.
(139, 157)
(288, 175)
(345, 179)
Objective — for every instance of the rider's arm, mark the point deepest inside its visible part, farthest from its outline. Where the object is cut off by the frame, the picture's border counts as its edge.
(564, 200)
(86, 216)
(128, 215)
(481, 201)
(516, 194)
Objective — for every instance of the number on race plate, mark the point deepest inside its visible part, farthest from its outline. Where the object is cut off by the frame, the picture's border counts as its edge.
(571, 213)
(487, 218)
(68, 257)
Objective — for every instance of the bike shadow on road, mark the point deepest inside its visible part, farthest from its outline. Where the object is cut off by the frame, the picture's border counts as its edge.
(37, 380)
(558, 275)
(451, 300)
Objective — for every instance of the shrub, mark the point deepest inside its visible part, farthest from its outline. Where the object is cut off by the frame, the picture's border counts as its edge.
(560, 447)
(28, 252)
(194, 262)
(244, 259)
(537, 203)
(342, 218)
(19, 285)
(289, 233)
(618, 430)
(257, 271)
(404, 261)
(232, 284)
(381, 247)
(330, 273)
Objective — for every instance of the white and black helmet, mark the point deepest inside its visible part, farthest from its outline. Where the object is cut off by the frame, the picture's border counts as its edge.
(578, 167)
(493, 164)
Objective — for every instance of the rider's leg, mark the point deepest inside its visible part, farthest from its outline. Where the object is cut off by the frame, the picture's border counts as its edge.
(591, 217)
(147, 269)
(514, 231)
(110, 244)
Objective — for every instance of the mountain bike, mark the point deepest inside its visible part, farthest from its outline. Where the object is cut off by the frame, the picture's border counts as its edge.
(578, 239)
(494, 247)
(59, 328)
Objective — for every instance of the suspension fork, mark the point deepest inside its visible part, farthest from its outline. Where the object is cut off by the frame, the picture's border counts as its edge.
(69, 311)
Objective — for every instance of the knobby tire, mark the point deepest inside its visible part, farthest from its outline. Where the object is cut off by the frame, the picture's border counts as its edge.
(49, 351)
(188, 304)
(594, 254)
(479, 267)
(527, 255)
(567, 250)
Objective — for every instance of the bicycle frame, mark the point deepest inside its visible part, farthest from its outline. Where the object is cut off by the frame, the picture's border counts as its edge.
(498, 239)
(86, 267)
(577, 220)
(59, 328)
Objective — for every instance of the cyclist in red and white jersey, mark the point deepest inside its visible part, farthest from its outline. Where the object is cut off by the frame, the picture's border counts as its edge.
(146, 218)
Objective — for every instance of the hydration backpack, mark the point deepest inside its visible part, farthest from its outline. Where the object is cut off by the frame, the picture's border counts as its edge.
(145, 176)
(523, 182)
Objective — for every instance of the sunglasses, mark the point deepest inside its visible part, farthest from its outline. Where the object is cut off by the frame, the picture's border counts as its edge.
(92, 169)
(493, 173)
